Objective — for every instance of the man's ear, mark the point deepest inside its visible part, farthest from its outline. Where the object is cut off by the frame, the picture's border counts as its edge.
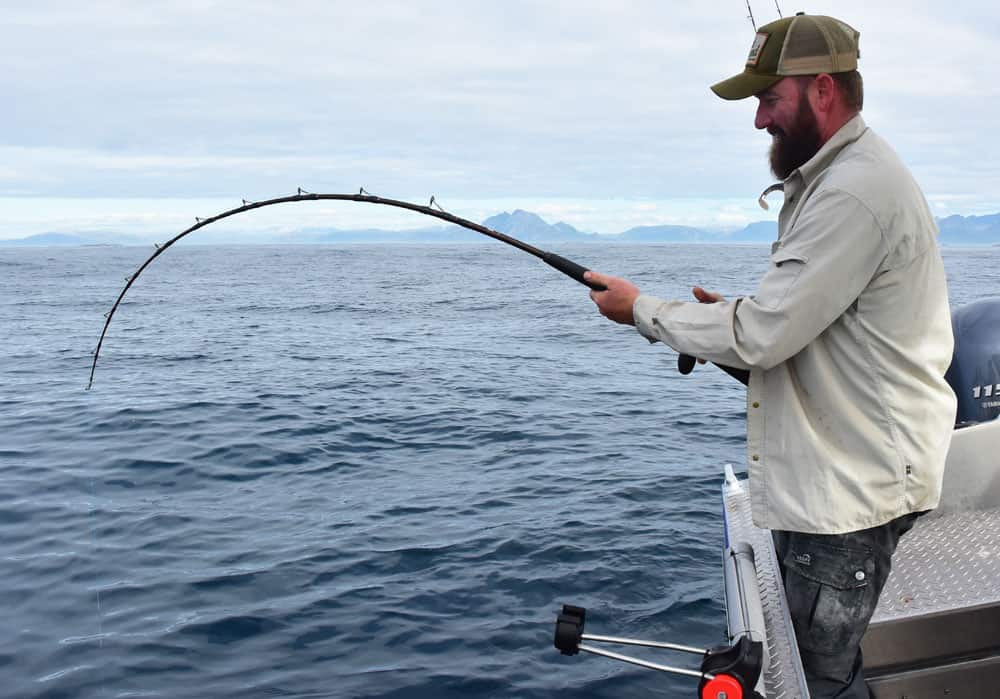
(824, 92)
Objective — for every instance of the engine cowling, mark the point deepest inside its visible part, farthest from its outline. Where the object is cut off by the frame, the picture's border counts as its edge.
(974, 373)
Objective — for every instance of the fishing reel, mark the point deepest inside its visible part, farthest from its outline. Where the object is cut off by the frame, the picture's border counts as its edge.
(727, 672)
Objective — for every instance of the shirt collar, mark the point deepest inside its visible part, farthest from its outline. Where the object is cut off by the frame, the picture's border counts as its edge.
(846, 135)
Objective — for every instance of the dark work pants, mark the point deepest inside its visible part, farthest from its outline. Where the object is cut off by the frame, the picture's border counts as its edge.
(833, 582)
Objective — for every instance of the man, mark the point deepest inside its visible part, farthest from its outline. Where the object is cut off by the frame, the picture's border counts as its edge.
(847, 341)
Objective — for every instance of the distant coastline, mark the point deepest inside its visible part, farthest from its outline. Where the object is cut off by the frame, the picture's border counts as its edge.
(955, 231)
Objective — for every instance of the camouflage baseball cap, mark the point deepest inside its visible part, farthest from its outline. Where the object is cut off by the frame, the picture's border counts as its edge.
(799, 45)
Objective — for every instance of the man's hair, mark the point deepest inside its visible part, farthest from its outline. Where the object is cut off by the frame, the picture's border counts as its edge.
(852, 87)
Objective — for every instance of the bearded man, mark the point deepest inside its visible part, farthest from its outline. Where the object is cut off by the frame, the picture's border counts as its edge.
(846, 342)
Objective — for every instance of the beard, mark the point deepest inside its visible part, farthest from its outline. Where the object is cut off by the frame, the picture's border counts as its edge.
(793, 148)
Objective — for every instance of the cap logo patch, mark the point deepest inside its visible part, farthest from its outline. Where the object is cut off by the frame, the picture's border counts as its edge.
(756, 48)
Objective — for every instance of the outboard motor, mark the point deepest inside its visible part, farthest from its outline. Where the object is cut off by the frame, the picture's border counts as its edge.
(974, 373)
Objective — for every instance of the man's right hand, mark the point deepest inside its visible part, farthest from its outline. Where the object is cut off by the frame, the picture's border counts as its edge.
(616, 301)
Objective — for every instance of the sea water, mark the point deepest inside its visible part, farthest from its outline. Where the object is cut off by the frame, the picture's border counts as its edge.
(358, 471)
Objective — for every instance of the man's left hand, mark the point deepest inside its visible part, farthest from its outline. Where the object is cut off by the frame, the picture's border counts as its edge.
(615, 303)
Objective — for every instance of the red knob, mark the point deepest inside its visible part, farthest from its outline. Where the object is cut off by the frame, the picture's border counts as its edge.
(722, 687)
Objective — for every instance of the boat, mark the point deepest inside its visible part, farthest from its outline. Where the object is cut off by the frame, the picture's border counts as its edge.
(936, 630)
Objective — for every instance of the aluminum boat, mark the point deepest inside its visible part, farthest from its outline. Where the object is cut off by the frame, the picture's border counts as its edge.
(936, 630)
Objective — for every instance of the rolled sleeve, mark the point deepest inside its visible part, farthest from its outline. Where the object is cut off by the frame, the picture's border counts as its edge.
(817, 271)
(701, 330)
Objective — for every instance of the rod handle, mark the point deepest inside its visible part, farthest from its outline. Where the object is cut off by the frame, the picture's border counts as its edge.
(571, 269)
(685, 363)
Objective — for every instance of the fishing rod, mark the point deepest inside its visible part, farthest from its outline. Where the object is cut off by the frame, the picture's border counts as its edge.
(685, 363)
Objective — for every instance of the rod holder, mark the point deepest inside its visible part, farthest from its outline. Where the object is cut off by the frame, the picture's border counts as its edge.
(727, 672)
(569, 629)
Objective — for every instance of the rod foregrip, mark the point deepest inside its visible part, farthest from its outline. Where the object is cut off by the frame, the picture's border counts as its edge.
(571, 269)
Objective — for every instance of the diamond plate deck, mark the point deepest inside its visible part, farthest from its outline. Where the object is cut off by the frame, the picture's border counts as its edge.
(944, 563)
(783, 677)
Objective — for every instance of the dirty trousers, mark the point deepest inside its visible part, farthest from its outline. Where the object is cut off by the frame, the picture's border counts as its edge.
(832, 583)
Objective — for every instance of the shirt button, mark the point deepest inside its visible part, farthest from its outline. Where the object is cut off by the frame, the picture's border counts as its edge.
(756, 404)
(756, 457)
(859, 576)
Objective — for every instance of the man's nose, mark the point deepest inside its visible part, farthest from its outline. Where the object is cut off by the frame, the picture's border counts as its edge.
(763, 119)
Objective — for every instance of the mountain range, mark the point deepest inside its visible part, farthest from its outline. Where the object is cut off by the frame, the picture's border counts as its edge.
(531, 228)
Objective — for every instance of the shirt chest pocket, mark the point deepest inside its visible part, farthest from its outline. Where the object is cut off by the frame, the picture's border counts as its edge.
(786, 266)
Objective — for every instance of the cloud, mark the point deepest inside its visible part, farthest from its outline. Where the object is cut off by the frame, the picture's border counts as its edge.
(520, 100)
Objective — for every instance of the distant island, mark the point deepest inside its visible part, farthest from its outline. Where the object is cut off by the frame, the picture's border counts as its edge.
(530, 227)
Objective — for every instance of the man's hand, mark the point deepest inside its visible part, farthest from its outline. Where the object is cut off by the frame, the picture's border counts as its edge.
(706, 296)
(615, 303)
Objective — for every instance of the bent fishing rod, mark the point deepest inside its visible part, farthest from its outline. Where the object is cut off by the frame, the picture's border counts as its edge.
(685, 363)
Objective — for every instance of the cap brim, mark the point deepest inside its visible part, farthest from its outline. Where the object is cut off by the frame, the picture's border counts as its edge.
(744, 85)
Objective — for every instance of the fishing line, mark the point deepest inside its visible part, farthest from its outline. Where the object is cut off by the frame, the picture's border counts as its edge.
(685, 363)
(750, 17)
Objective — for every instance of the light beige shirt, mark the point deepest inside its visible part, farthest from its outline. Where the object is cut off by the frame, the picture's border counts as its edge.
(847, 341)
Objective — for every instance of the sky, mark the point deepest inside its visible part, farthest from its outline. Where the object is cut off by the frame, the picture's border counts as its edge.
(135, 117)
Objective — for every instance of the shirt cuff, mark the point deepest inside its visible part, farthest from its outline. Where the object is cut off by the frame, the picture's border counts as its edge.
(643, 311)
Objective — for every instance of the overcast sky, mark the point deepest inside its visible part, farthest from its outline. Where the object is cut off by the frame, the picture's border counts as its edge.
(137, 116)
